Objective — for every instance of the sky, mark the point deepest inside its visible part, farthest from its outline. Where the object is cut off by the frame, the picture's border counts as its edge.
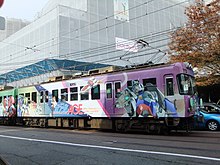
(22, 9)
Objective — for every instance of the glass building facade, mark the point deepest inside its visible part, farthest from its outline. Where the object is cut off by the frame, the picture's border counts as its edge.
(119, 32)
(11, 26)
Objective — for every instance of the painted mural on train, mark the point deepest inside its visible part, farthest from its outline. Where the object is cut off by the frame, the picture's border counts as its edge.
(144, 101)
(7, 107)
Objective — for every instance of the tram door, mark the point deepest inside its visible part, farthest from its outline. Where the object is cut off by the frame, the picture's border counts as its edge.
(113, 89)
(169, 85)
(44, 98)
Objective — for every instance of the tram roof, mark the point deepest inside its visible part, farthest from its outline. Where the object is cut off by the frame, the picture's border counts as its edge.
(46, 66)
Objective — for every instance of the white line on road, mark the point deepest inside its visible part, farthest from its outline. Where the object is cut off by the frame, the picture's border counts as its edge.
(111, 148)
(10, 130)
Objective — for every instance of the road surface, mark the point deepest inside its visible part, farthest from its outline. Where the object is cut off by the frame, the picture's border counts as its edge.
(39, 146)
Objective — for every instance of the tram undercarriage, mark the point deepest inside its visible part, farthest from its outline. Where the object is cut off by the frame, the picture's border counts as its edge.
(148, 125)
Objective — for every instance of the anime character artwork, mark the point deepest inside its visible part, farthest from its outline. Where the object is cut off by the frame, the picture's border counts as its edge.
(92, 82)
(7, 107)
(62, 106)
(148, 101)
(66, 109)
(27, 107)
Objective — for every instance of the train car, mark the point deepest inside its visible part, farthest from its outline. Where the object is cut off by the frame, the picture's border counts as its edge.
(149, 98)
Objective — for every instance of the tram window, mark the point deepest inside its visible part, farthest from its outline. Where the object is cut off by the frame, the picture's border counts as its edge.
(20, 95)
(186, 84)
(150, 80)
(95, 91)
(34, 97)
(73, 93)
(0, 99)
(109, 91)
(84, 96)
(131, 83)
(64, 94)
(117, 89)
(27, 95)
(42, 96)
(169, 86)
(55, 95)
(46, 96)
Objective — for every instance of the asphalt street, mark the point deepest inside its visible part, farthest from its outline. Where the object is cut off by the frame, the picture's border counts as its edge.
(32, 146)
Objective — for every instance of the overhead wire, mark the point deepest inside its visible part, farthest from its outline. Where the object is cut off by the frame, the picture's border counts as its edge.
(115, 24)
(95, 50)
(77, 29)
(107, 45)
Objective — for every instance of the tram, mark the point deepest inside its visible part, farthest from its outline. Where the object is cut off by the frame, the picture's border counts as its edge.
(145, 97)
